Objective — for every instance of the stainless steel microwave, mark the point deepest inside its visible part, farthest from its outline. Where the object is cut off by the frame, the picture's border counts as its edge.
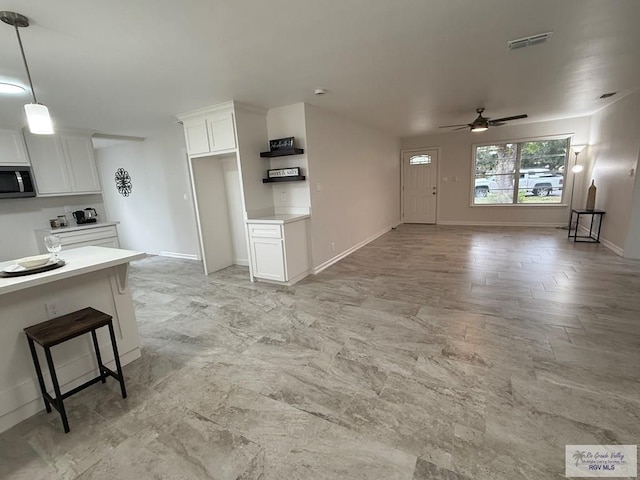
(16, 182)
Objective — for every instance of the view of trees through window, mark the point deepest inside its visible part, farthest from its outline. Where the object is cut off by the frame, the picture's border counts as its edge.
(516, 173)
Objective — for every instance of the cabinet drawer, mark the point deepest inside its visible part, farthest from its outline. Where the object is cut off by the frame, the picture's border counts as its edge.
(109, 242)
(260, 230)
(88, 235)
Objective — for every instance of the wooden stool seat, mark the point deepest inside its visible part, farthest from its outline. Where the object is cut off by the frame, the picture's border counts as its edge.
(58, 330)
(66, 327)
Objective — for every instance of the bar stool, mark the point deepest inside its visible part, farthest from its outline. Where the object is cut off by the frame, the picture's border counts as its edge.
(59, 330)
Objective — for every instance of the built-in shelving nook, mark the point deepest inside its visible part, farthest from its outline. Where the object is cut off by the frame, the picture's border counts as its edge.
(223, 144)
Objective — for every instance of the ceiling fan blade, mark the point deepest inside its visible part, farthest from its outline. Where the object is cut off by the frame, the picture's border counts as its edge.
(460, 128)
(498, 124)
(506, 119)
(459, 125)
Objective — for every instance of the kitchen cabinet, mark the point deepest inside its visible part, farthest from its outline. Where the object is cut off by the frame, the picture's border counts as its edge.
(104, 234)
(210, 133)
(279, 248)
(12, 148)
(63, 164)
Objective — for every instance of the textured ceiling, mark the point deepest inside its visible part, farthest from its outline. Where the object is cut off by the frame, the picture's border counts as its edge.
(405, 66)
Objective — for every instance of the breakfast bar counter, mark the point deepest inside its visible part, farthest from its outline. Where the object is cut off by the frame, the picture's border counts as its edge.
(92, 277)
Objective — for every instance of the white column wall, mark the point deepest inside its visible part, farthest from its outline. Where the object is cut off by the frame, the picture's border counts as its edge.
(354, 183)
(613, 152)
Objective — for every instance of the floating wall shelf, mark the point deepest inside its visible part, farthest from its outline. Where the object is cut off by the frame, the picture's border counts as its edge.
(297, 178)
(283, 152)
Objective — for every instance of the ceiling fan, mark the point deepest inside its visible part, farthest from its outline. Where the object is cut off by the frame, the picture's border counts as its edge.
(481, 123)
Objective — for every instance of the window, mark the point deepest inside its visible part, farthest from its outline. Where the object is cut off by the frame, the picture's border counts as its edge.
(530, 172)
(420, 160)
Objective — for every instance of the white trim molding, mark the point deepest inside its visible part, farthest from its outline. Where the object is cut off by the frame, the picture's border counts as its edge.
(346, 253)
(186, 256)
(501, 224)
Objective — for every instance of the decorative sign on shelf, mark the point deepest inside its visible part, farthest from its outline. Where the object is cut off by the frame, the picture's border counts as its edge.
(281, 144)
(284, 172)
(123, 182)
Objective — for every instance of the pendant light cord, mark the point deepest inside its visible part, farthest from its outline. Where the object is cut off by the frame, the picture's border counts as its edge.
(24, 58)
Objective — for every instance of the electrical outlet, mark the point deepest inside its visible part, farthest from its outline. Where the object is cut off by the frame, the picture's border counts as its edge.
(283, 196)
(52, 309)
(333, 246)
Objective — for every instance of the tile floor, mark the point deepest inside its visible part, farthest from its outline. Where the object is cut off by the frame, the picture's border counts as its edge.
(432, 353)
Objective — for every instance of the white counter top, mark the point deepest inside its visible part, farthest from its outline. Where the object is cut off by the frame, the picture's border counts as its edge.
(70, 228)
(279, 219)
(79, 261)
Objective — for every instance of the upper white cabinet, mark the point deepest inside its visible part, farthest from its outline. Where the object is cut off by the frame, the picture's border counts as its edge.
(63, 164)
(12, 149)
(82, 164)
(210, 133)
(221, 132)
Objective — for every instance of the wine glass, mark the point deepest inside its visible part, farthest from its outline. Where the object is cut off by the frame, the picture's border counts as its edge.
(53, 244)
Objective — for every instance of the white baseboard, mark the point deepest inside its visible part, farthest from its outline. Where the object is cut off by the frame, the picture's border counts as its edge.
(291, 281)
(610, 245)
(243, 262)
(346, 253)
(27, 399)
(186, 256)
(500, 224)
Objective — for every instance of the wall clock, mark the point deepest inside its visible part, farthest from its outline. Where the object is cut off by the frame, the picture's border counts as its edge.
(123, 182)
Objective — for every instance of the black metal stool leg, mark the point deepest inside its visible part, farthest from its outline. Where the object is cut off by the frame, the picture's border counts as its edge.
(36, 363)
(103, 376)
(56, 389)
(117, 359)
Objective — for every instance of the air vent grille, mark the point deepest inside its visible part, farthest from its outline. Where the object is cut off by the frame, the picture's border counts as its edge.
(528, 41)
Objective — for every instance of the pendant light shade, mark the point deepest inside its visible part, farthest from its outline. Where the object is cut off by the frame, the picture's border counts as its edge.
(38, 117)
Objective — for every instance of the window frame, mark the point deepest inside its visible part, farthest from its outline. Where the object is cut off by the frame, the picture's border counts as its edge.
(565, 136)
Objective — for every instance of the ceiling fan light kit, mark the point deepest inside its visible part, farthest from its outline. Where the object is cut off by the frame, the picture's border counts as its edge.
(482, 124)
(38, 117)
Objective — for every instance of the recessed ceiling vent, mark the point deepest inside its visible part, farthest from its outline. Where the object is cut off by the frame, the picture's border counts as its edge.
(528, 41)
(607, 95)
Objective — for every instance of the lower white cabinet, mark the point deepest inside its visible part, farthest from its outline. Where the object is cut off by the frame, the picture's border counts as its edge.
(279, 249)
(96, 235)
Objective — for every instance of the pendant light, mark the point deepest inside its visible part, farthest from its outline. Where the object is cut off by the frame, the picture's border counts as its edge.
(38, 116)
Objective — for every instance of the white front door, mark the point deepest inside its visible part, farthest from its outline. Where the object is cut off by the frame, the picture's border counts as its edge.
(420, 174)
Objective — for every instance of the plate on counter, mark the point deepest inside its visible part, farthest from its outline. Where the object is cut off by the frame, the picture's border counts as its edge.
(18, 270)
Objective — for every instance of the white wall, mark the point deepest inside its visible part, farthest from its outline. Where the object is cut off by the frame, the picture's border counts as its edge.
(354, 179)
(252, 139)
(613, 151)
(289, 121)
(236, 214)
(455, 173)
(158, 217)
(19, 217)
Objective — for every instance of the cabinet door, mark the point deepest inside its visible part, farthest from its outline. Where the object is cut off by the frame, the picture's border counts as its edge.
(222, 134)
(195, 134)
(82, 165)
(12, 149)
(267, 256)
(49, 164)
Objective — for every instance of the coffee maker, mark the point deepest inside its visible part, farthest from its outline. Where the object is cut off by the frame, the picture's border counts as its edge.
(88, 215)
